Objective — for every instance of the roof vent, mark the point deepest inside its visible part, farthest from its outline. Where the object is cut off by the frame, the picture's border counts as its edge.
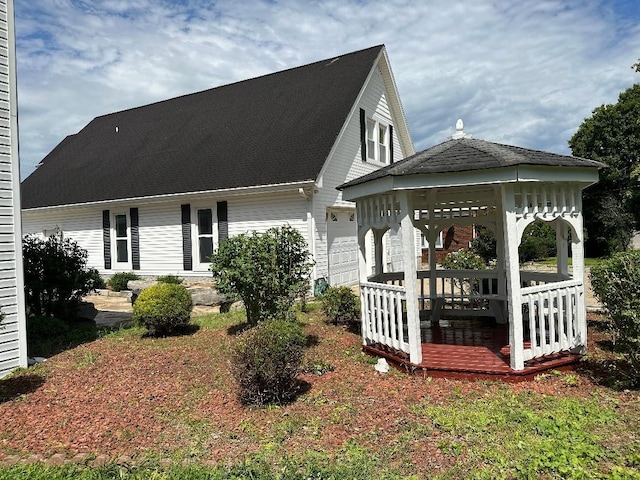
(459, 133)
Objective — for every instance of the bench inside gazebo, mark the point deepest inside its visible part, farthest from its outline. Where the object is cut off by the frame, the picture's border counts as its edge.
(500, 322)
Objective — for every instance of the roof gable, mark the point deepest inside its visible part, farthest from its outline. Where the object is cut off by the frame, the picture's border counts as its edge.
(274, 129)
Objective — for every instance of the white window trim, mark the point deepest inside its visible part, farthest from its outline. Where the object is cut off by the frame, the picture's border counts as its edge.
(195, 238)
(377, 143)
(439, 241)
(115, 264)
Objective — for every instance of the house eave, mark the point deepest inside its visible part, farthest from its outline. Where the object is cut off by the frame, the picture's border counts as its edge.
(186, 196)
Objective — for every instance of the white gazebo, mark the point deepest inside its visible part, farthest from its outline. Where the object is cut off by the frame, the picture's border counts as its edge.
(466, 181)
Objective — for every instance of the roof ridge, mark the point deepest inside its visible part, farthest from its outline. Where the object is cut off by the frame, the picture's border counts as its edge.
(238, 82)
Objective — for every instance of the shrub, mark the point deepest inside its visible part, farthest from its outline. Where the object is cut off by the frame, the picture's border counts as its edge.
(340, 304)
(97, 282)
(616, 283)
(268, 271)
(538, 242)
(266, 361)
(463, 260)
(484, 244)
(163, 308)
(55, 276)
(169, 279)
(119, 281)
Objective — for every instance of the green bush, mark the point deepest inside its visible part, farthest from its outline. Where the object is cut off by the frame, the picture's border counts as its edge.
(55, 276)
(119, 281)
(340, 304)
(538, 242)
(169, 279)
(463, 260)
(268, 271)
(163, 308)
(266, 361)
(616, 283)
(484, 244)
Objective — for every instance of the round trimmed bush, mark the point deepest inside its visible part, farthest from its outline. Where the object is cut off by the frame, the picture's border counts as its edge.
(266, 361)
(340, 304)
(163, 308)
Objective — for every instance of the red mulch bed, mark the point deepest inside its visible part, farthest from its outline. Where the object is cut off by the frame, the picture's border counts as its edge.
(147, 397)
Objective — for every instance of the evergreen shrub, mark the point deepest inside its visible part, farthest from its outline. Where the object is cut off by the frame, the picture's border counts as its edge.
(120, 280)
(163, 309)
(340, 304)
(56, 276)
(169, 279)
(266, 361)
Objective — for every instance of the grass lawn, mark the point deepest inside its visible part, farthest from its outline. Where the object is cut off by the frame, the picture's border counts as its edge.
(553, 261)
(166, 408)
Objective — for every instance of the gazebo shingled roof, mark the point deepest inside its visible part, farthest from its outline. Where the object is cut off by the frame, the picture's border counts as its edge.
(467, 154)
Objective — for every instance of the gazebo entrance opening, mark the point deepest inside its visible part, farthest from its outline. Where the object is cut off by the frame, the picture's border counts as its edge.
(499, 320)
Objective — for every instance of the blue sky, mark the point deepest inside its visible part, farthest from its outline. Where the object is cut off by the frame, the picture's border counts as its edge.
(525, 73)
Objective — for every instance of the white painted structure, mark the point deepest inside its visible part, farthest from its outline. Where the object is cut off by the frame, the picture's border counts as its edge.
(13, 337)
(416, 195)
(313, 207)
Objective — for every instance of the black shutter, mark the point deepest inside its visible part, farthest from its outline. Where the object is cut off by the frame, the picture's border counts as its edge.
(223, 221)
(187, 261)
(363, 135)
(135, 239)
(106, 239)
(390, 143)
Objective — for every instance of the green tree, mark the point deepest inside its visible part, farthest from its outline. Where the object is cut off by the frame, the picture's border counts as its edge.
(612, 206)
(268, 271)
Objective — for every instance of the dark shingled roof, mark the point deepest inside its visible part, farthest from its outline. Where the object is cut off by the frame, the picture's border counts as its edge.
(466, 154)
(274, 129)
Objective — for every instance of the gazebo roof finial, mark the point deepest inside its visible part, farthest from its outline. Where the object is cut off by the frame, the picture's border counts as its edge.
(459, 133)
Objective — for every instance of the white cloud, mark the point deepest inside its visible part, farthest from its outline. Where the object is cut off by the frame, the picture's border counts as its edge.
(524, 73)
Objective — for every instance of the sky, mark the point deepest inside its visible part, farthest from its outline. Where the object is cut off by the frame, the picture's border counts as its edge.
(524, 72)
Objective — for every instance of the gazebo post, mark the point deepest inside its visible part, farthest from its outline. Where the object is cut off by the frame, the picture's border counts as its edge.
(378, 251)
(514, 302)
(362, 270)
(577, 257)
(410, 277)
(433, 285)
(500, 242)
(562, 248)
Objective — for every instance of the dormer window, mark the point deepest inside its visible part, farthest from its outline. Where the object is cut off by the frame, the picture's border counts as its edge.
(377, 141)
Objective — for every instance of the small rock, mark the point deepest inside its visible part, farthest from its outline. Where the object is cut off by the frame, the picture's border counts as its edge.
(206, 296)
(100, 460)
(56, 459)
(136, 286)
(382, 366)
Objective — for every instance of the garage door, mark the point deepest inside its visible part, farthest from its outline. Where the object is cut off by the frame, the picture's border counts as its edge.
(342, 247)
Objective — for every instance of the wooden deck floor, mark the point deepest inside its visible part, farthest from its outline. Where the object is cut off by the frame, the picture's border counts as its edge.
(473, 349)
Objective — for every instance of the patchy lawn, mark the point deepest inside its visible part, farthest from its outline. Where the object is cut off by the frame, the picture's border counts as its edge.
(173, 399)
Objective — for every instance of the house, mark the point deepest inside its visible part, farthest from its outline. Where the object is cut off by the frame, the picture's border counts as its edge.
(13, 337)
(154, 189)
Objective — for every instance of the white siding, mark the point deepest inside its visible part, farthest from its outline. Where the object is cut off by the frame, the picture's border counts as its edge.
(13, 346)
(346, 164)
(160, 229)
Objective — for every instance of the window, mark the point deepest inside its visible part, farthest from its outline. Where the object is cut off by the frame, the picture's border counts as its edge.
(122, 238)
(205, 234)
(382, 143)
(377, 141)
(371, 139)
(425, 242)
